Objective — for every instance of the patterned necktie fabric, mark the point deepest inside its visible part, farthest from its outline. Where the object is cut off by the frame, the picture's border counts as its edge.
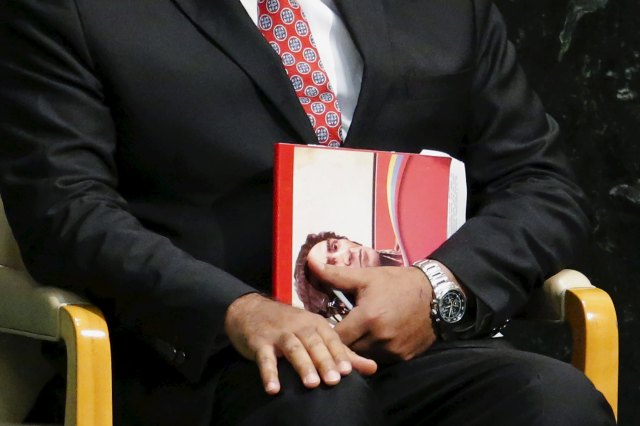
(284, 25)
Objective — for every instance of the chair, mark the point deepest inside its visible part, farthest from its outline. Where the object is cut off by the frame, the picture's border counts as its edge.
(28, 313)
(569, 297)
(44, 313)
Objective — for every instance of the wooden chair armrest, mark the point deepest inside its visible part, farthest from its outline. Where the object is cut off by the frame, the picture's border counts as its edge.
(548, 302)
(89, 388)
(594, 329)
(569, 297)
(48, 313)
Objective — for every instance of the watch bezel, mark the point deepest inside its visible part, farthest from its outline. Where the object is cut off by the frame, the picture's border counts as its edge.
(442, 304)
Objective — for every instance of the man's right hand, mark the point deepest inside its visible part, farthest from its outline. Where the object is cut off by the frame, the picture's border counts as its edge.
(261, 329)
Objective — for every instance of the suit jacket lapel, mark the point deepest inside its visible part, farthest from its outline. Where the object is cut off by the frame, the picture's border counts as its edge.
(226, 24)
(368, 27)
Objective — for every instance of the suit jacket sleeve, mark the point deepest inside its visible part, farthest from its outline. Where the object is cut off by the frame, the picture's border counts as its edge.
(526, 216)
(60, 183)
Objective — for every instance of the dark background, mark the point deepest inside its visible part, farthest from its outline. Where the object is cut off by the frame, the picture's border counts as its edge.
(583, 59)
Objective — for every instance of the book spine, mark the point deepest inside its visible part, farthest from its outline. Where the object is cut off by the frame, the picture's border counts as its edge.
(283, 222)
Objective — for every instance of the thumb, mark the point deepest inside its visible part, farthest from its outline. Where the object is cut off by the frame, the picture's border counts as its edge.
(362, 365)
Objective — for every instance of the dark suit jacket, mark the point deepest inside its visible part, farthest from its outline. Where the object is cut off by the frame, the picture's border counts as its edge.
(136, 152)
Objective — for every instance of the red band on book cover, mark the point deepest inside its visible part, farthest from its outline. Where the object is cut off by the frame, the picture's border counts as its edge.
(283, 222)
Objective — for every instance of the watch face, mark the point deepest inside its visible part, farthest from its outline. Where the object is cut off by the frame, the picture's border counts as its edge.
(452, 306)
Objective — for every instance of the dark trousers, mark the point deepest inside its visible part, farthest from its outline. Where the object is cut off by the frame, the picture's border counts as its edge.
(482, 382)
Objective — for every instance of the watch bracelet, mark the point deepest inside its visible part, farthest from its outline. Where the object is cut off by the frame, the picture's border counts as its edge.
(441, 284)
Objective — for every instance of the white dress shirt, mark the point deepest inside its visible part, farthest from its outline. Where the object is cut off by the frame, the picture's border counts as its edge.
(342, 61)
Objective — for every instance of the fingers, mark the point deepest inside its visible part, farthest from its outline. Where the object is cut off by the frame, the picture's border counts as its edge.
(296, 353)
(310, 353)
(311, 357)
(352, 329)
(264, 330)
(319, 355)
(268, 366)
(338, 350)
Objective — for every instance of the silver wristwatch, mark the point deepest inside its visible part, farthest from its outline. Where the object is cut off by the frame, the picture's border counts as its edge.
(449, 302)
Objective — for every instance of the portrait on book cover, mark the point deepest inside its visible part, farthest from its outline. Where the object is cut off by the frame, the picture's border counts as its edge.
(357, 208)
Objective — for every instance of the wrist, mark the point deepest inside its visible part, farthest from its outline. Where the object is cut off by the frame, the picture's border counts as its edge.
(239, 307)
(449, 298)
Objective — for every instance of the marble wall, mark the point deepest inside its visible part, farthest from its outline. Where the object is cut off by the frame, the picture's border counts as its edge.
(583, 58)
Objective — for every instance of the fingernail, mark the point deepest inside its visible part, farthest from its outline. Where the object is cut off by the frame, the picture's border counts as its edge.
(344, 367)
(311, 379)
(271, 387)
(332, 376)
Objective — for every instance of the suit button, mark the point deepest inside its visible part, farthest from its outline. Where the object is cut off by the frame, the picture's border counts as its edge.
(179, 358)
(170, 353)
(503, 326)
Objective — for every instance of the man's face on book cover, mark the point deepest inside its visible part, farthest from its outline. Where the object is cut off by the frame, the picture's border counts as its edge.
(343, 252)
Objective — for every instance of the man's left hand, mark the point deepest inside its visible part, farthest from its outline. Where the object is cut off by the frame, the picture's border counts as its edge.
(391, 320)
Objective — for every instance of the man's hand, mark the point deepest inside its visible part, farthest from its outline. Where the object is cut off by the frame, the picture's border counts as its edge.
(392, 319)
(262, 330)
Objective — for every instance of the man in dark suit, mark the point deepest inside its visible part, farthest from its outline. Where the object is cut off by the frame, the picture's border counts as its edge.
(136, 163)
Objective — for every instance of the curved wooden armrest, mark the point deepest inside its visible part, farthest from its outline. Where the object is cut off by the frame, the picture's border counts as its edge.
(548, 302)
(569, 296)
(594, 328)
(86, 336)
(47, 313)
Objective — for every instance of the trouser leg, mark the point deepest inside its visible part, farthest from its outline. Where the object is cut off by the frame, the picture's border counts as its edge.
(482, 382)
(488, 383)
(241, 400)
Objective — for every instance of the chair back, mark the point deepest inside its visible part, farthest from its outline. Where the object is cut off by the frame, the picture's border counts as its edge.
(23, 370)
(9, 251)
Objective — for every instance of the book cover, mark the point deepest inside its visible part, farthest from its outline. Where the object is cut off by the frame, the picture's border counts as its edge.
(358, 208)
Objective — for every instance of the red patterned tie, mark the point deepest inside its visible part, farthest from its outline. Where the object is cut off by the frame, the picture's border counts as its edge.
(283, 24)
